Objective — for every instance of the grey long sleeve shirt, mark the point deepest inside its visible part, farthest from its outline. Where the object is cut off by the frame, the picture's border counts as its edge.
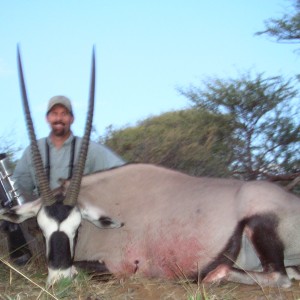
(99, 158)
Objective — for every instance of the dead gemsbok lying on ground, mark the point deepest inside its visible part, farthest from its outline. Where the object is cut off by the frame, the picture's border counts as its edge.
(175, 225)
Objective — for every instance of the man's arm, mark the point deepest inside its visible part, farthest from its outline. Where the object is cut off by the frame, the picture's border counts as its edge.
(23, 174)
(100, 158)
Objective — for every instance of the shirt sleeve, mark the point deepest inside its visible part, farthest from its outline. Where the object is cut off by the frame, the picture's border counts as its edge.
(100, 158)
(23, 174)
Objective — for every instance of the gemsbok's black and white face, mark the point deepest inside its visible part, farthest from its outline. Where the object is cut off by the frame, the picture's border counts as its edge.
(59, 224)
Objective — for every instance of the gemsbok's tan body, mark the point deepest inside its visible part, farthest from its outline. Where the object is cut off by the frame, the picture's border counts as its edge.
(176, 225)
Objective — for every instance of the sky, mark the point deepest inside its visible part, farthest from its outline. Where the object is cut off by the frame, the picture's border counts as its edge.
(145, 52)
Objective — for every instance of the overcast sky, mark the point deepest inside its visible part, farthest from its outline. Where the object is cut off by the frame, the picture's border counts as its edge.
(144, 51)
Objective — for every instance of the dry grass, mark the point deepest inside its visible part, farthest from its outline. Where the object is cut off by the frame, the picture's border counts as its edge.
(31, 285)
(28, 282)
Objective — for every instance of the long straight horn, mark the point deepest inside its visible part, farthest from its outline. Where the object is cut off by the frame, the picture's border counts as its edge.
(73, 190)
(45, 190)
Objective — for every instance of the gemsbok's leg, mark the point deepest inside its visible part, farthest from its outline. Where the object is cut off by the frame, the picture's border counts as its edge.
(262, 232)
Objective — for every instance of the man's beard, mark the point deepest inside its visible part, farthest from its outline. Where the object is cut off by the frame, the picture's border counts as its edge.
(61, 131)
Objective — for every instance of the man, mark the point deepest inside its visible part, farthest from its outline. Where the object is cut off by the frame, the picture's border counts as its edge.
(59, 153)
(60, 150)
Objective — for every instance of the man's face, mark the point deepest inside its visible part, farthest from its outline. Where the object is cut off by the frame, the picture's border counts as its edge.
(60, 120)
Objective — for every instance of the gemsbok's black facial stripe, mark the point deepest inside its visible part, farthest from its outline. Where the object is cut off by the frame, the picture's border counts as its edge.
(59, 256)
(58, 211)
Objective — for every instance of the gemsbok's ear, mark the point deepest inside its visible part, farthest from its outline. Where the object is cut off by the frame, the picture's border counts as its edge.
(98, 217)
(20, 213)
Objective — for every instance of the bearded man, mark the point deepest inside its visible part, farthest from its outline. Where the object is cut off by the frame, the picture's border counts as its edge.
(59, 152)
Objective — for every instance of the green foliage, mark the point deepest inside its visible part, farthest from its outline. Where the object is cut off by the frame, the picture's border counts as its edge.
(265, 115)
(194, 141)
(286, 28)
(247, 127)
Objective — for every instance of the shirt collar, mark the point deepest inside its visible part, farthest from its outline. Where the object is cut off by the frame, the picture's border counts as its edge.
(67, 142)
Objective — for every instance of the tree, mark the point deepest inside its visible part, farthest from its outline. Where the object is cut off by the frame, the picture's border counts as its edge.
(8, 146)
(194, 141)
(265, 120)
(286, 28)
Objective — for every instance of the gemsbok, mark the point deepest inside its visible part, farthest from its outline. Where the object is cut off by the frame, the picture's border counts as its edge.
(175, 225)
